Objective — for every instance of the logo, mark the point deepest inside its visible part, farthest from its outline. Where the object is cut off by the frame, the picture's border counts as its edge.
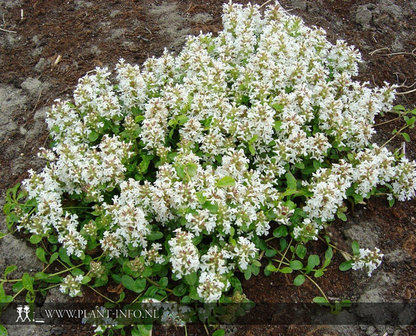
(23, 315)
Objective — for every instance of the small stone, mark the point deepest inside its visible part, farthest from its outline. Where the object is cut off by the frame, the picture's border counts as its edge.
(299, 4)
(391, 8)
(41, 114)
(370, 330)
(41, 65)
(36, 40)
(363, 16)
(117, 33)
(22, 130)
(32, 86)
(201, 18)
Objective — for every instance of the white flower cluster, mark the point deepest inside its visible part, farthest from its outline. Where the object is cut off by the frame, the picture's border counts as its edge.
(72, 285)
(368, 260)
(225, 120)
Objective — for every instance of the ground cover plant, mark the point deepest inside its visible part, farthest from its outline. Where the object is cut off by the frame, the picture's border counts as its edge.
(168, 179)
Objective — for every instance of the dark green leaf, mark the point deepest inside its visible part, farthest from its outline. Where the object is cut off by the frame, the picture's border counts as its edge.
(40, 253)
(281, 231)
(355, 247)
(346, 265)
(313, 260)
(271, 253)
(155, 236)
(180, 290)
(191, 279)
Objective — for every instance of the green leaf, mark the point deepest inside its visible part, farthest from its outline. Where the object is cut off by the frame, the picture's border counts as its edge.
(9, 269)
(191, 279)
(191, 168)
(180, 290)
(313, 260)
(281, 231)
(226, 181)
(3, 331)
(345, 266)
(40, 253)
(301, 251)
(128, 282)
(410, 121)
(144, 164)
(219, 332)
(299, 280)
(53, 257)
(399, 108)
(180, 171)
(64, 256)
(291, 181)
(271, 268)
(406, 137)
(40, 276)
(200, 197)
(270, 253)
(163, 282)
(341, 216)
(296, 265)
(155, 236)
(247, 273)
(93, 136)
(136, 286)
(320, 300)
(286, 270)
(355, 247)
(318, 273)
(27, 281)
(141, 330)
(328, 257)
(35, 239)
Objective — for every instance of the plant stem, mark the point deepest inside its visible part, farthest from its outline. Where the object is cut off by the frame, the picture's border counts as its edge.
(206, 329)
(387, 122)
(157, 285)
(102, 295)
(46, 288)
(311, 280)
(398, 132)
(284, 254)
(316, 285)
(334, 246)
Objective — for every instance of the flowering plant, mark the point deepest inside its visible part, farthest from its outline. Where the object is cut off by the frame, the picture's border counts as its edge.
(168, 179)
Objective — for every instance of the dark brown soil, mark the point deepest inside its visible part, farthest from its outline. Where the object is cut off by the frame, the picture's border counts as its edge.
(73, 37)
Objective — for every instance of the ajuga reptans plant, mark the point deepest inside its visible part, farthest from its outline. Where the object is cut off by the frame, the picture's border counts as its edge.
(172, 175)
